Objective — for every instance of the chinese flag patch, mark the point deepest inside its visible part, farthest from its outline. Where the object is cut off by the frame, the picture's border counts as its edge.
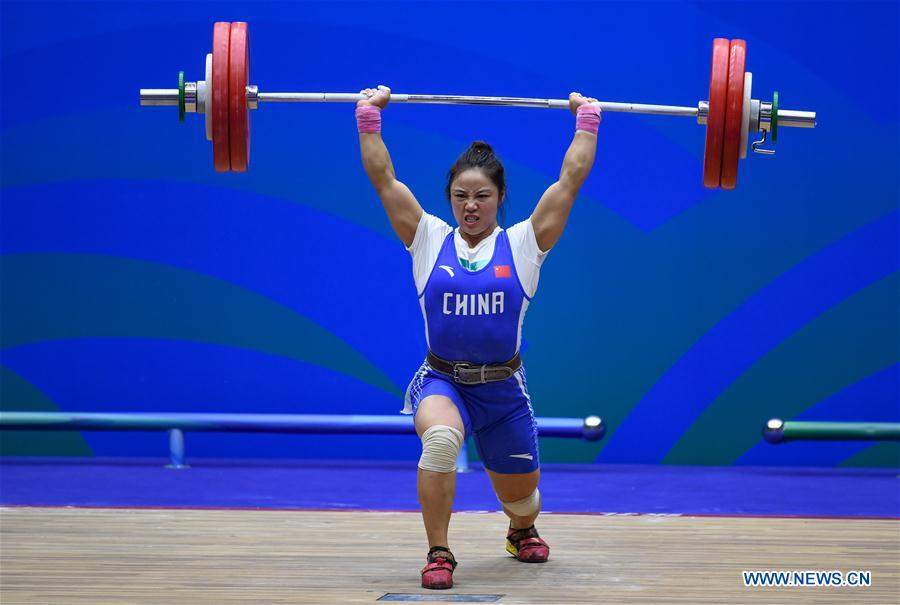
(502, 271)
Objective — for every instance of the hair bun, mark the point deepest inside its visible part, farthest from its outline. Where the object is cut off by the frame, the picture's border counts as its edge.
(481, 147)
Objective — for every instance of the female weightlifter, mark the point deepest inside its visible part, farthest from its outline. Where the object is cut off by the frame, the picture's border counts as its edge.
(475, 283)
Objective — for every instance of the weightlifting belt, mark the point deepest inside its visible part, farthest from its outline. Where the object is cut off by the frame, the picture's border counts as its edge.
(464, 372)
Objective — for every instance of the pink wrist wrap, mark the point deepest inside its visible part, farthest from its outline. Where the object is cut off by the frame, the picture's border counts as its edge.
(588, 118)
(368, 119)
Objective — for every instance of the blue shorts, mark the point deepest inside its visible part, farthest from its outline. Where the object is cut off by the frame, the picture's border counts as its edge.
(497, 414)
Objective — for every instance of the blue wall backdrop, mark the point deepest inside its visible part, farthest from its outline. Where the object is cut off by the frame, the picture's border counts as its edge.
(136, 278)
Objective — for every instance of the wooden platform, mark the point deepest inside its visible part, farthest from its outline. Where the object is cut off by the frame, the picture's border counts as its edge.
(57, 556)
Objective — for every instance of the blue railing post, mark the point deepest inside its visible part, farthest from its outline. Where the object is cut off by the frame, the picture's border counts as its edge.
(462, 461)
(176, 449)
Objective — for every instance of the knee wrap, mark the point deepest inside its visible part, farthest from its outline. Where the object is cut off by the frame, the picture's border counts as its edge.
(526, 506)
(440, 449)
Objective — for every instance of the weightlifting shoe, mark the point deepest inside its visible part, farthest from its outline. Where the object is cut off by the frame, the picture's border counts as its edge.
(438, 573)
(526, 545)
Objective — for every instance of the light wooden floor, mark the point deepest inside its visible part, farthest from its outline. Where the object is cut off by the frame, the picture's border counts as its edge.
(97, 556)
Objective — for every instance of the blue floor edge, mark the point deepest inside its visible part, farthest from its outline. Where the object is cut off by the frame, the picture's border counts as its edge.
(390, 485)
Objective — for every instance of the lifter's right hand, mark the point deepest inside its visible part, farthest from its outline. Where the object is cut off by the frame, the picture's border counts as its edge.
(379, 97)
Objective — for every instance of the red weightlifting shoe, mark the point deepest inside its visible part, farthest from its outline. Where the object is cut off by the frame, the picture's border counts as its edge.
(526, 545)
(438, 573)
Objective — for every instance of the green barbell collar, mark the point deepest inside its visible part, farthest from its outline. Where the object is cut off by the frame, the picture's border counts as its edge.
(775, 116)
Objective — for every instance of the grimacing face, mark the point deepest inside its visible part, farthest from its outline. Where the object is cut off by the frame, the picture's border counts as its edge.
(474, 199)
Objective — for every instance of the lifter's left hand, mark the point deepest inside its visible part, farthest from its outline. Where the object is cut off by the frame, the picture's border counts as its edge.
(576, 100)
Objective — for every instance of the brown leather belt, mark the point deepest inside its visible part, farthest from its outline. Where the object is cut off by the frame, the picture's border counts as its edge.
(464, 372)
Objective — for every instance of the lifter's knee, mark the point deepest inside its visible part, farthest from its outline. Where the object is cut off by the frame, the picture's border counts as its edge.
(440, 448)
(526, 507)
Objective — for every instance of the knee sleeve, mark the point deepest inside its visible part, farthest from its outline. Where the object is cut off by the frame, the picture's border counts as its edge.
(440, 449)
(526, 506)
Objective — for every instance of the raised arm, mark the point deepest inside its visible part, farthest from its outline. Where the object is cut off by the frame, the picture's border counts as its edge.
(552, 211)
(402, 208)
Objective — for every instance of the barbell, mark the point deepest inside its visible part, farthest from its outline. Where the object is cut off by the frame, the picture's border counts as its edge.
(225, 97)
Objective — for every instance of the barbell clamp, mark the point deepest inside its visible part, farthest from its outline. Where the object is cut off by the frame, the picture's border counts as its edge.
(756, 146)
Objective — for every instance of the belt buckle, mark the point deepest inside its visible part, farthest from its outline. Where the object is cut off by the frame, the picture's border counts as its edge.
(467, 366)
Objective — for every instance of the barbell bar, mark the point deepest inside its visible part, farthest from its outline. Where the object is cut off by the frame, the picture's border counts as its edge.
(731, 115)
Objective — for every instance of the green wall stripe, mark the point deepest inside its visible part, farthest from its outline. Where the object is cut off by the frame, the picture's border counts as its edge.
(842, 346)
(60, 296)
(19, 395)
(876, 455)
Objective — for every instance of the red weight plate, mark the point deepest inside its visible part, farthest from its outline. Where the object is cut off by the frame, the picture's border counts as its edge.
(221, 44)
(715, 121)
(238, 113)
(734, 113)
